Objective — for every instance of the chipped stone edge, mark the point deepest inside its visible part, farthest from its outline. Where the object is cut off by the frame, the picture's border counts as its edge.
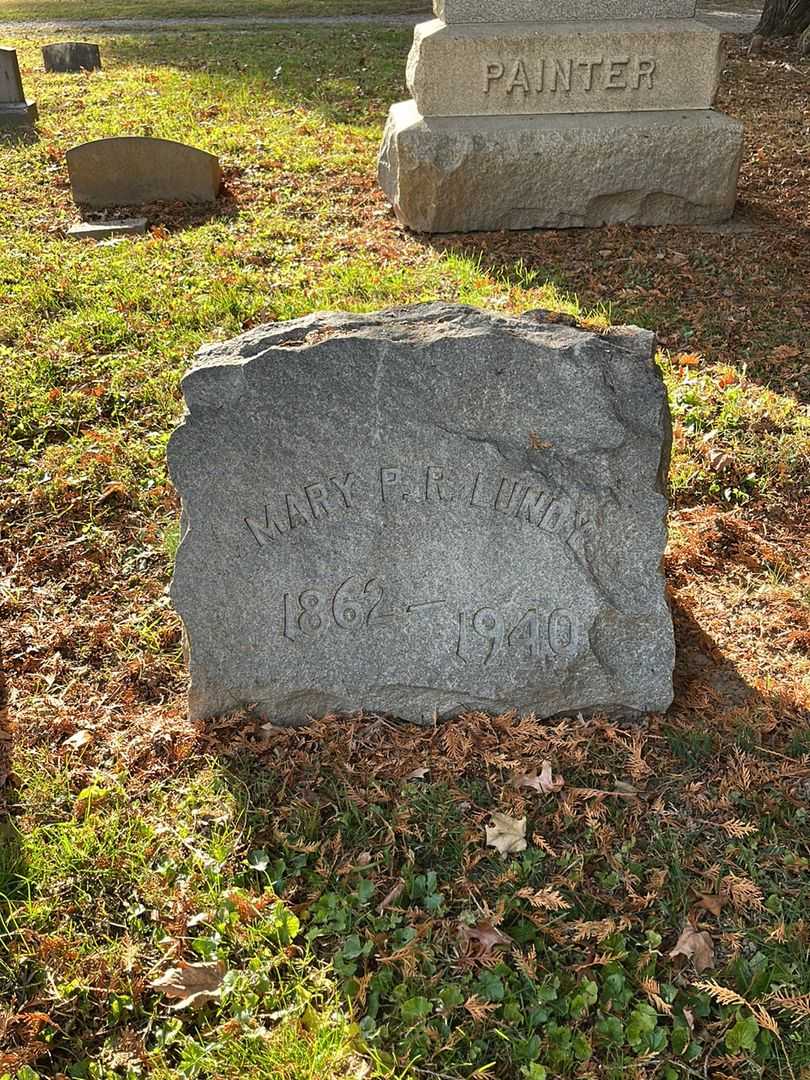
(217, 378)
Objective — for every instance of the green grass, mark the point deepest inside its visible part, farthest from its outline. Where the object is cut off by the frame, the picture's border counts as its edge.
(273, 853)
(168, 9)
(286, 883)
(96, 338)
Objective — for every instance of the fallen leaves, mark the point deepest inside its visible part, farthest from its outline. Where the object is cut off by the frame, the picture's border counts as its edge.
(743, 893)
(711, 902)
(88, 799)
(738, 829)
(487, 937)
(391, 897)
(418, 774)
(547, 899)
(112, 491)
(479, 1010)
(652, 989)
(544, 781)
(695, 945)
(687, 359)
(192, 985)
(506, 834)
(78, 739)
(785, 352)
(245, 908)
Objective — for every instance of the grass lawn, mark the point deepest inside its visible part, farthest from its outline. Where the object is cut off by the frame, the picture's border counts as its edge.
(155, 9)
(327, 893)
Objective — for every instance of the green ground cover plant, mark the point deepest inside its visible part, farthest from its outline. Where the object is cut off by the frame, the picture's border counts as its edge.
(235, 900)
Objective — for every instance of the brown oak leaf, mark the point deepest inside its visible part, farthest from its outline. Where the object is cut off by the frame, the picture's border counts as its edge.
(487, 936)
(506, 834)
(78, 739)
(544, 781)
(418, 774)
(712, 903)
(695, 945)
(193, 985)
(391, 897)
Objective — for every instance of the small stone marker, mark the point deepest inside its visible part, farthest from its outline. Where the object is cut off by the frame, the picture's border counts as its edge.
(422, 511)
(14, 109)
(584, 113)
(101, 230)
(131, 170)
(71, 56)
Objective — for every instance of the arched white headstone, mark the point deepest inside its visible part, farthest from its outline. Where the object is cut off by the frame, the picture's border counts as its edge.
(131, 170)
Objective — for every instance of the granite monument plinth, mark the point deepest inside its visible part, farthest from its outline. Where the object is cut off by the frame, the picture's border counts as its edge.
(525, 115)
(71, 57)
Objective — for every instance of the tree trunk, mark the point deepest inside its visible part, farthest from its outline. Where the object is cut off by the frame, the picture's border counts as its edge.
(782, 18)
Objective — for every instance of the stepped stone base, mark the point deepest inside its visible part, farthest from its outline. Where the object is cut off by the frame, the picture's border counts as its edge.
(17, 114)
(467, 174)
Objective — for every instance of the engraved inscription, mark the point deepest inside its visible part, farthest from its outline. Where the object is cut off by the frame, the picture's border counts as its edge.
(308, 504)
(435, 486)
(548, 637)
(522, 76)
(350, 607)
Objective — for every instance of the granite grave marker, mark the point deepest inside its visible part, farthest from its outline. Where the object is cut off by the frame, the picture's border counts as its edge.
(570, 113)
(71, 56)
(421, 511)
(15, 110)
(131, 170)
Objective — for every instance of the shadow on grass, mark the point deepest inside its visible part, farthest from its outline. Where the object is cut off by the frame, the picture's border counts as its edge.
(345, 75)
(24, 135)
(18, 981)
(174, 216)
(737, 296)
(701, 669)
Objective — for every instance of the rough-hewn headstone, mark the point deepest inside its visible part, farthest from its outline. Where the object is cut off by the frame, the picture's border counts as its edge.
(526, 114)
(132, 170)
(71, 56)
(14, 109)
(421, 511)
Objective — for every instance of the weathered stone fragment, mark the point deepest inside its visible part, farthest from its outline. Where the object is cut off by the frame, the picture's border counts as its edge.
(132, 170)
(424, 510)
(616, 66)
(461, 174)
(502, 11)
(15, 110)
(71, 56)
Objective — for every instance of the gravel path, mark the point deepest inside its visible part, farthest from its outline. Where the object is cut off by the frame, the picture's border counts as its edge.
(736, 19)
(212, 22)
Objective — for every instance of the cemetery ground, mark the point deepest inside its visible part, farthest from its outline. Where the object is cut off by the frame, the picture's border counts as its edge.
(155, 9)
(233, 900)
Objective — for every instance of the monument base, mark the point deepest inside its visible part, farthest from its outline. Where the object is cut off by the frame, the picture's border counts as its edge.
(17, 114)
(473, 173)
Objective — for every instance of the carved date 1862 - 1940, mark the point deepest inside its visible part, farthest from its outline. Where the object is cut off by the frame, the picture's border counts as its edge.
(546, 635)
